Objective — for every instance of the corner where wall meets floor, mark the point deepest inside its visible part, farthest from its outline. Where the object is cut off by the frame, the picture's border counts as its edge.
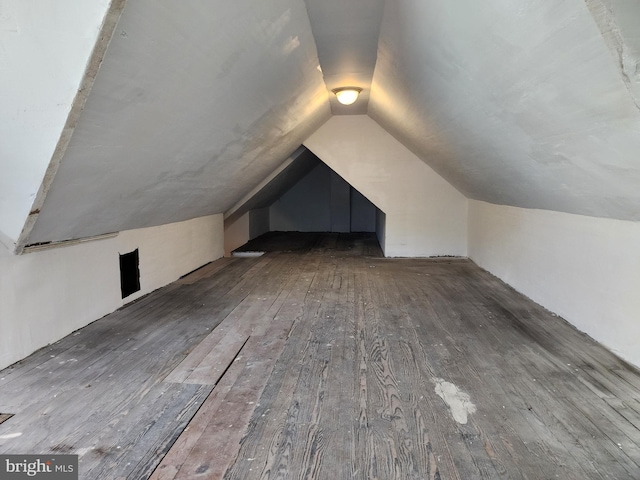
(585, 269)
(48, 294)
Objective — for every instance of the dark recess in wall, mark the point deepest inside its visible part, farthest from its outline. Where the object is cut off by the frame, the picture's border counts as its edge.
(129, 273)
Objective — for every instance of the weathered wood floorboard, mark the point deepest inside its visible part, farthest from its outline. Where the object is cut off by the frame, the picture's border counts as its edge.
(322, 360)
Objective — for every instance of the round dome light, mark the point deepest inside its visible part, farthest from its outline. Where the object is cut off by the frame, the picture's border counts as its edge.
(347, 95)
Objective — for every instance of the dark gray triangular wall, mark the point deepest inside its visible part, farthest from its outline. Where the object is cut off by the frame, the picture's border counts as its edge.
(322, 201)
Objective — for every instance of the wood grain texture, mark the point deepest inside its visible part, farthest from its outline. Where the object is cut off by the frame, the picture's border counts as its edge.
(321, 360)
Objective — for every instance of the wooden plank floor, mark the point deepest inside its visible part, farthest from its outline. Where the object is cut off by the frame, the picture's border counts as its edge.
(322, 360)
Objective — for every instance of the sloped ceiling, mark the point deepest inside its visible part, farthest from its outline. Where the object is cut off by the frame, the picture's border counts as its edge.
(193, 106)
(525, 103)
(346, 34)
(294, 169)
(44, 48)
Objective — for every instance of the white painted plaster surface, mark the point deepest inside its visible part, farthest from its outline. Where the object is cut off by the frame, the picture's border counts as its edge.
(459, 402)
(520, 103)
(195, 103)
(346, 35)
(585, 269)
(44, 49)
(425, 215)
(237, 233)
(48, 294)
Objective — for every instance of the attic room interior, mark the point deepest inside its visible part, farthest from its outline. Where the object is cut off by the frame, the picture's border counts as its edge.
(212, 268)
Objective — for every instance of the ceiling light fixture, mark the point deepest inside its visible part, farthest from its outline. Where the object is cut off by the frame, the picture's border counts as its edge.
(347, 95)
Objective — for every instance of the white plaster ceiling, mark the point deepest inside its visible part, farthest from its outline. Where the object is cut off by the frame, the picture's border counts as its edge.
(44, 48)
(195, 103)
(346, 34)
(525, 103)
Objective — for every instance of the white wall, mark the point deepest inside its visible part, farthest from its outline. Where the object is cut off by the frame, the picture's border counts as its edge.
(586, 269)
(48, 294)
(237, 233)
(45, 48)
(250, 225)
(425, 215)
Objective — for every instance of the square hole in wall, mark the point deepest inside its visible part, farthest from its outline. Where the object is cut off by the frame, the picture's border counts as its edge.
(129, 273)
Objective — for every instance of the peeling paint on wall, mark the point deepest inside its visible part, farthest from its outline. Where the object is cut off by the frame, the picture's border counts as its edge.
(47, 45)
(606, 14)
